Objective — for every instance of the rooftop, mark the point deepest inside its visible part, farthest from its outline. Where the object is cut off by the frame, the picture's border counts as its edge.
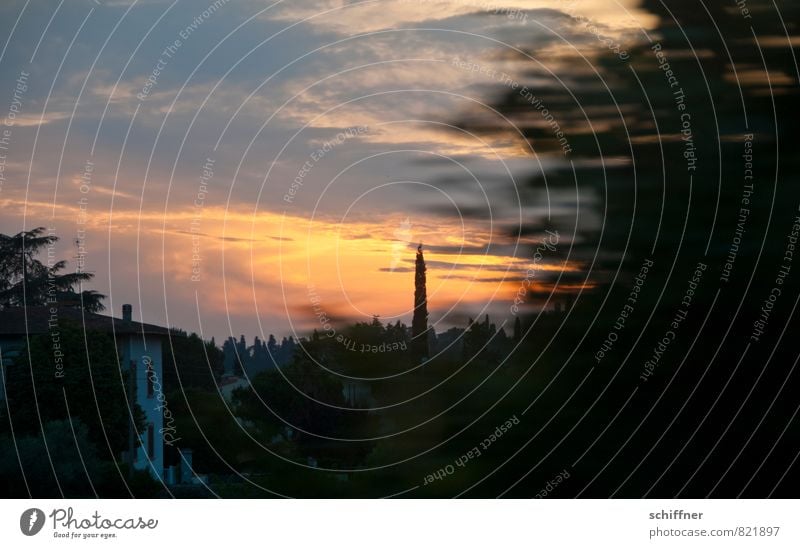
(34, 320)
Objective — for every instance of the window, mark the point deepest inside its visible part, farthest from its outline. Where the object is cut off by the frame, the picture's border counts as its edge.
(151, 441)
(132, 381)
(150, 374)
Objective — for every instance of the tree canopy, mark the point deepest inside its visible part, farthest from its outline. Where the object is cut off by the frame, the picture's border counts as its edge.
(25, 280)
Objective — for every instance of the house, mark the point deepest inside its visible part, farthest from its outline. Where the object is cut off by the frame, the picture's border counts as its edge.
(140, 351)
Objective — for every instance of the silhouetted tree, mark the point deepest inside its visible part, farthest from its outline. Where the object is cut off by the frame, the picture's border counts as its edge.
(197, 363)
(476, 337)
(272, 346)
(26, 281)
(64, 449)
(419, 323)
(303, 422)
(229, 355)
(92, 388)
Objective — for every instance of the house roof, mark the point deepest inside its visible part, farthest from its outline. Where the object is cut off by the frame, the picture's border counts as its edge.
(34, 320)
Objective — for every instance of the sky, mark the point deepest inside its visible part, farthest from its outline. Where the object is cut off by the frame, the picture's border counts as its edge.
(218, 164)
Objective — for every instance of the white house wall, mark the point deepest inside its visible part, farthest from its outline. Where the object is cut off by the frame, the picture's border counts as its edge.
(141, 350)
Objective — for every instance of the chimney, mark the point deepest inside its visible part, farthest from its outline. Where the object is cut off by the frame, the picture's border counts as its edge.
(127, 312)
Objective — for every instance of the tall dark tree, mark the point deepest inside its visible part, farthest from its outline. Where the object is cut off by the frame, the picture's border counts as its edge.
(477, 337)
(272, 346)
(191, 362)
(419, 324)
(260, 359)
(242, 357)
(288, 347)
(24, 280)
(229, 355)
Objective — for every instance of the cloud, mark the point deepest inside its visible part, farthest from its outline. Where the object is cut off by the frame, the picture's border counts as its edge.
(259, 252)
(345, 17)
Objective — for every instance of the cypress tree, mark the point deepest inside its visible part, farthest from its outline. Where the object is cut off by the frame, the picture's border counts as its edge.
(419, 324)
